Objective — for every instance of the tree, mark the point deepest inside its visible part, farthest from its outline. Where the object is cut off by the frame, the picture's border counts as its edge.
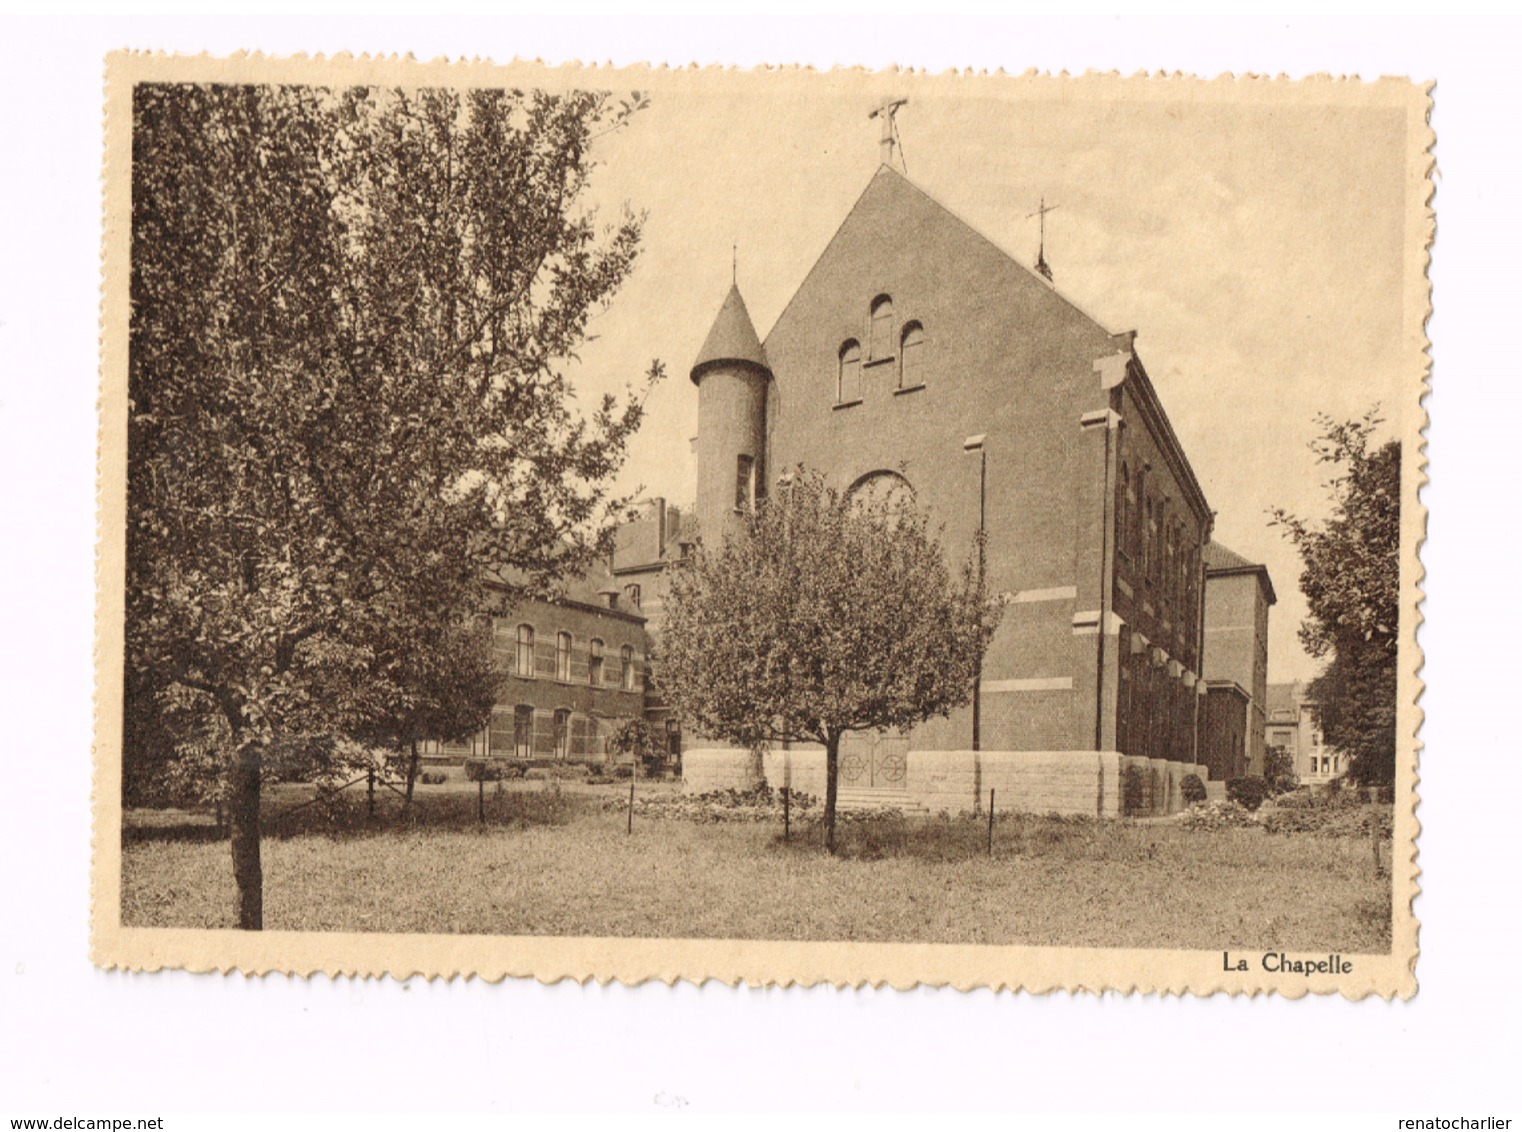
(640, 742)
(347, 407)
(1352, 583)
(821, 617)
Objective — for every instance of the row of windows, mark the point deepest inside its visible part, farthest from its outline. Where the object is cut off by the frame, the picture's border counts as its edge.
(1157, 543)
(882, 337)
(597, 673)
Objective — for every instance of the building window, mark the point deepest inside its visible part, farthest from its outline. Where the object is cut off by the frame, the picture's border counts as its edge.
(1122, 510)
(562, 656)
(594, 663)
(562, 733)
(745, 482)
(525, 650)
(626, 668)
(880, 341)
(911, 357)
(848, 376)
(523, 731)
(632, 593)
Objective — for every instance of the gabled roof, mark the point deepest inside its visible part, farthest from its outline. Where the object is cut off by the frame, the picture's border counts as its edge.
(732, 338)
(1221, 557)
(1221, 561)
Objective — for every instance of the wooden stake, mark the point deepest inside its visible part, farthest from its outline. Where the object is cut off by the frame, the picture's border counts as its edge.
(630, 830)
(370, 791)
(481, 798)
(786, 816)
(990, 821)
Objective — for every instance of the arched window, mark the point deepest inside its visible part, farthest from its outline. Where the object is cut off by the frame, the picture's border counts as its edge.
(594, 663)
(880, 489)
(562, 733)
(562, 656)
(523, 731)
(880, 342)
(626, 668)
(911, 356)
(525, 663)
(848, 377)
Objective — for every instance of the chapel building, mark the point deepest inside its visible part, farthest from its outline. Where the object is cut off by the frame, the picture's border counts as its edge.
(918, 357)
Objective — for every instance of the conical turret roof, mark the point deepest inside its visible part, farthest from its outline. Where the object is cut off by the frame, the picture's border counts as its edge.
(731, 340)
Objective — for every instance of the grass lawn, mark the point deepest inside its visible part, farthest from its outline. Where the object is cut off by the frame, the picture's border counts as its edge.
(556, 862)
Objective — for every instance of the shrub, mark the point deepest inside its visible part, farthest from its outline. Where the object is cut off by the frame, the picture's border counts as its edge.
(1134, 789)
(623, 770)
(485, 770)
(1219, 815)
(433, 777)
(1192, 788)
(1279, 770)
(1248, 791)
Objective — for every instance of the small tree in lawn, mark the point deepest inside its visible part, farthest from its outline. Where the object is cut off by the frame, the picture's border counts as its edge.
(636, 740)
(825, 615)
(1351, 581)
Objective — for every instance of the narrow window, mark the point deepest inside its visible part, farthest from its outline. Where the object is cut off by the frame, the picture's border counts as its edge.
(848, 377)
(626, 668)
(880, 343)
(631, 592)
(562, 656)
(594, 663)
(525, 650)
(523, 731)
(745, 482)
(562, 733)
(1122, 510)
(911, 357)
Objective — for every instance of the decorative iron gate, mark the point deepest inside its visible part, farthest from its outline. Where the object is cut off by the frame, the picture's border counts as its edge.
(875, 761)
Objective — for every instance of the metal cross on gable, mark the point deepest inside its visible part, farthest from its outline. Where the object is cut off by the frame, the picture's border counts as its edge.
(1041, 264)
(886, 111)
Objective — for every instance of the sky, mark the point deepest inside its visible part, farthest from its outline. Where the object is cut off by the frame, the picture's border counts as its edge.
(1258, 251)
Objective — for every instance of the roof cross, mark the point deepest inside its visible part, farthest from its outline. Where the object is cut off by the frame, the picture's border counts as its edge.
(886, 110)
(1041, 264)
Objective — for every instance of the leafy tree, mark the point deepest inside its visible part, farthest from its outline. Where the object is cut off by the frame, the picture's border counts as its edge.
(1352, 582)
(1279, 770)
(348, 412)
(822, 617)
(643, 744)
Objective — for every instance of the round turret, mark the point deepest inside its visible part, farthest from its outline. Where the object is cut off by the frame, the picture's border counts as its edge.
(731, 375)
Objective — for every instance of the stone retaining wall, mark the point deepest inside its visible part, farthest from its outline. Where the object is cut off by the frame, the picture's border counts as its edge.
(1040, 782)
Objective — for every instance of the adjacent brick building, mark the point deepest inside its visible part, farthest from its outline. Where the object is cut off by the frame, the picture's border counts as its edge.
(575, 670)
(1238, 594)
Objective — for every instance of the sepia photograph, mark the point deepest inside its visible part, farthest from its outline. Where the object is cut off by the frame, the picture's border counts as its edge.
(774, 526)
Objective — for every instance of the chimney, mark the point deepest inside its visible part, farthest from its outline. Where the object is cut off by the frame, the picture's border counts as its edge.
(658, 512)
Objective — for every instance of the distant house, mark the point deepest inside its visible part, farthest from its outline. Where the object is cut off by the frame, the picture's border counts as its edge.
(576, 670)
(1293, 727)
(1238, 594)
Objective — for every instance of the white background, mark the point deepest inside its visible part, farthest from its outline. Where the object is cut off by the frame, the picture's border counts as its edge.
(74, 1040)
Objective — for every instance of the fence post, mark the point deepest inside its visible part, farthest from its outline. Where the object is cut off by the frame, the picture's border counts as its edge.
(630, 830)
(481, 798)
(787, 824)
(990, 821)
(370, 791)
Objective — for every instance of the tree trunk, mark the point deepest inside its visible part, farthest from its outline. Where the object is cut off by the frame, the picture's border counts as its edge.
(243, 821)
(411, 771)
(831, 779)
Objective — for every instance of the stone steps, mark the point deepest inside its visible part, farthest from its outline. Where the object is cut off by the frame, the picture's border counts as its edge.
(867, 798)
